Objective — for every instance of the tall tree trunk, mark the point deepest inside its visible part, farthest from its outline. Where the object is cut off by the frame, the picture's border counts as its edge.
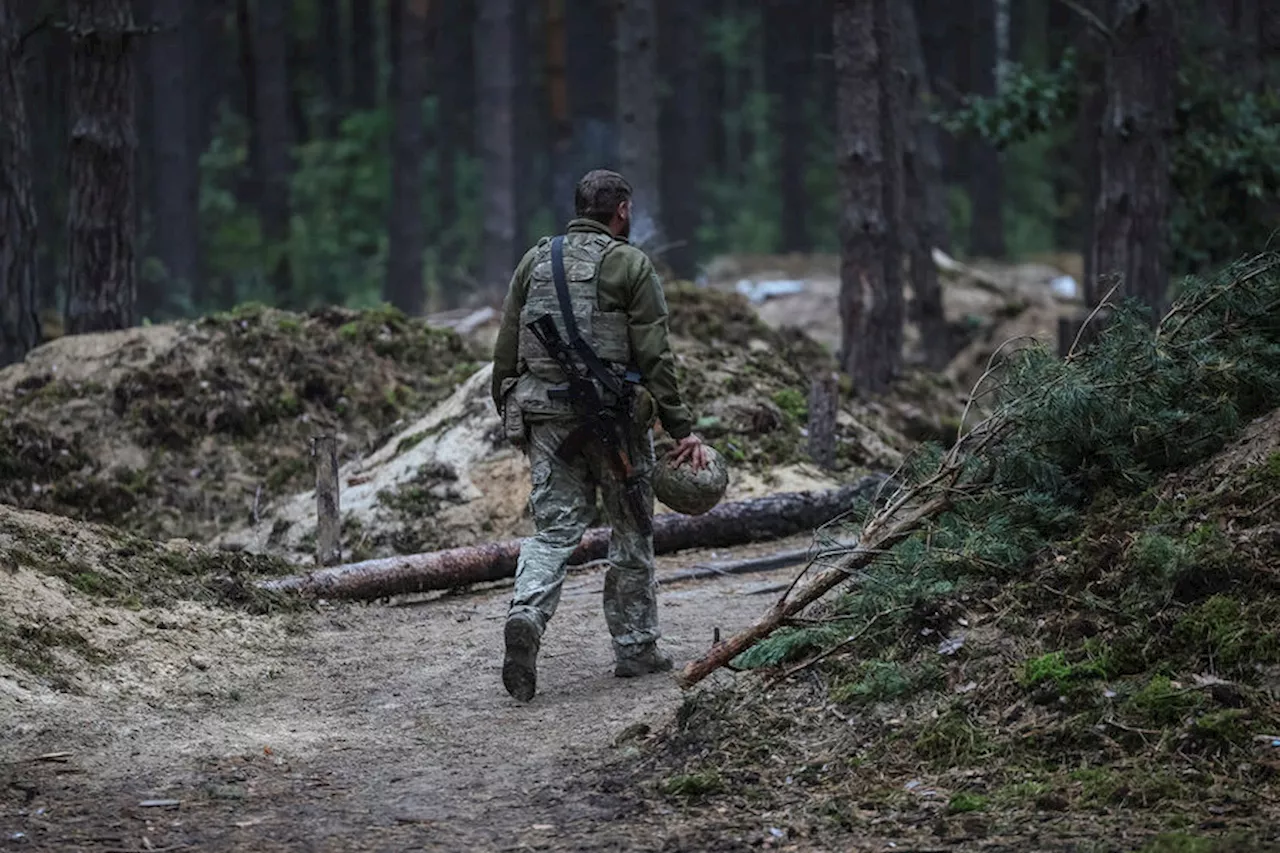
(456, 77)
(497, 141)
(404, 286)
(870, 271)
(364, 55)
(593, 94)
(683, 127)
(555, 41)
(944, 40)
(395, 17)
(986, 171)
(19, 321)
(101, 256)
(177, 162)
(788, 41)
(331, 63)
(246, 52)
(271, 127)
(1133, 199)
(526, 116)
(638, 152)
(925, 212)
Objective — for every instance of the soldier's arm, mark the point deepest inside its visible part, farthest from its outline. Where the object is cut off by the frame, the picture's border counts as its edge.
(506, 356)
(650, 343)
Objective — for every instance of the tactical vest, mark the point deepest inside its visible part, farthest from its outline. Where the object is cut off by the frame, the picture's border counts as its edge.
(605, 331)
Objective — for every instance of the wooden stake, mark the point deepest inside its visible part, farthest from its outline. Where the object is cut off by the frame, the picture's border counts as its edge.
(324, 449)
(824, 404)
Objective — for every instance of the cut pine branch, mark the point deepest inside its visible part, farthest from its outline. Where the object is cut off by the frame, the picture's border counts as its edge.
(756, 520)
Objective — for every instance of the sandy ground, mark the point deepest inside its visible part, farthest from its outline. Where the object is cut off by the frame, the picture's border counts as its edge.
(380, 727)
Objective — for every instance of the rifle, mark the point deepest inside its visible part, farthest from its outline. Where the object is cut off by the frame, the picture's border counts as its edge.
(608, 424)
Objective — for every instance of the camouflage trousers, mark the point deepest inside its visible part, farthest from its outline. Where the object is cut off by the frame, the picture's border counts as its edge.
(563, 503)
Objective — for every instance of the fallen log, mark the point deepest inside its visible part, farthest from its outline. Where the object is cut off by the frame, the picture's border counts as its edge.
(755, 520)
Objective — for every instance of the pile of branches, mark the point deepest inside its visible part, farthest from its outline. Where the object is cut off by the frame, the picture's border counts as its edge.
(1139, 401)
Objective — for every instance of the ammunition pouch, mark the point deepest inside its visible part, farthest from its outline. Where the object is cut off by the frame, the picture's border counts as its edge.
(513, 423)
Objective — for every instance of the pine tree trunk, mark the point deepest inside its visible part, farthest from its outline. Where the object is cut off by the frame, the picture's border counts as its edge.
(683, 127)
(19, 321)
(870, 272)
(456, 77)
(331, 62)
(925, 218)
(101, 261)
(177, 162)
(1133, 199)
(593, 89)
(757, 520)
(944, 42)
(47, 75)
(638, 153)
(527, 109)
(555, 40)
(250, 191)
(986, 172)
(271, 127)
(364, 56)
(497, 141)
(788, 40)
(407, 232)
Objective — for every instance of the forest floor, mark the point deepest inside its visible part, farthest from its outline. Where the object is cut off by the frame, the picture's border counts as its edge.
(356, 728)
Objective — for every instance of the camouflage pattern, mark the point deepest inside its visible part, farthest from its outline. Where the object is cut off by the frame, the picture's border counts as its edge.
(688, 491)
(563, 501)
(626, 282)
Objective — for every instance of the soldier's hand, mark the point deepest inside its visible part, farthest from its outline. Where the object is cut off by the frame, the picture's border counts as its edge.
(690, 449)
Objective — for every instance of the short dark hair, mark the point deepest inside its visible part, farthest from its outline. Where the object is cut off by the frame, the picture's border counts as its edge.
(599, 193)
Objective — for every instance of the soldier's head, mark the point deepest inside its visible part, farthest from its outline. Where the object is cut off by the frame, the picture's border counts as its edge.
(605, 197)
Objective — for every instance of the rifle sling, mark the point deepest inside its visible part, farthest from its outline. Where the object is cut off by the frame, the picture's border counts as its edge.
(589, 358)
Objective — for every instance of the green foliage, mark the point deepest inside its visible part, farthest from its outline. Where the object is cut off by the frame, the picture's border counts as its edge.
(963, 802)
(881, 681)
(793, 403)
(1160, 703)
(1112, 419)
(693, 785)
(1224, 156)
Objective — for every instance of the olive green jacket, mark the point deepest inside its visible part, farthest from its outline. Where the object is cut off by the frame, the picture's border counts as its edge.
(627, 282)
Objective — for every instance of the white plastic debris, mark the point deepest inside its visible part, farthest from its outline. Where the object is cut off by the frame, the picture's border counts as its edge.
(1065, 287)
(760, 291)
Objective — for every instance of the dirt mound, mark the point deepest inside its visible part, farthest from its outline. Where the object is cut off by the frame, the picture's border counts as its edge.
(985, 304)
(450, 479)
(91, 611)
(183, 429)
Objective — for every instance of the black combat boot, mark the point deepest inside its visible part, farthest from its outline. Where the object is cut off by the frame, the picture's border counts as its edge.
(644, 660)
(520, 667)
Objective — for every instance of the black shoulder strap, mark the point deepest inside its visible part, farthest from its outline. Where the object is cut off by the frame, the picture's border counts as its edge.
(584, 350)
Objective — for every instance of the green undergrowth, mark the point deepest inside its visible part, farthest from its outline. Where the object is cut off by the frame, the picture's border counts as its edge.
(1090, 630)
(189, 439)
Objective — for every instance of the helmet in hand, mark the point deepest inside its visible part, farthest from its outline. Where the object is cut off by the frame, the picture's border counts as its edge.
(688, 491)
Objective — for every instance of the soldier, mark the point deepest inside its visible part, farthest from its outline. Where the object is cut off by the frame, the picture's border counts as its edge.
(608, 296)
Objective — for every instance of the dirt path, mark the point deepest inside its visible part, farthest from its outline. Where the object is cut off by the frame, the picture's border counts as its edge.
(375, 728)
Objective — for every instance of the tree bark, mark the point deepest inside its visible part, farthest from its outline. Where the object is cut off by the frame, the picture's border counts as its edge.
(559, 109)
(176, 173)
(271, 127)
(331, 63)
(407, 229)
(683, 128)
(788, 41)
(19, 319)
(638, 149)
(925, 221)
(986, 171)
(593, 93)
(456, 78)
(824, 409)
(757, 520)
(364, 60)
(1133, 199)
(101, 254)
(496, 141)
(870, 270)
